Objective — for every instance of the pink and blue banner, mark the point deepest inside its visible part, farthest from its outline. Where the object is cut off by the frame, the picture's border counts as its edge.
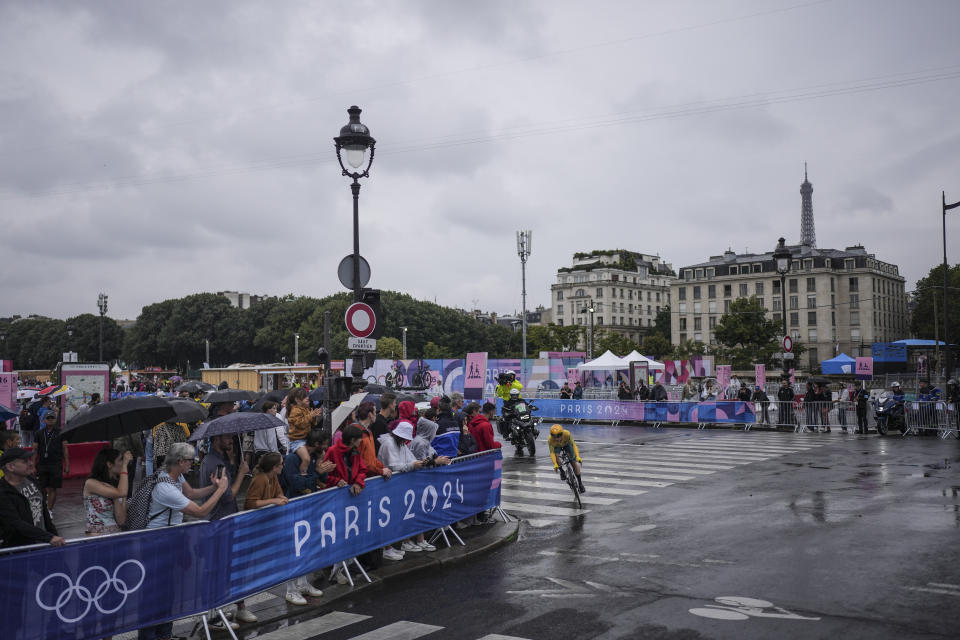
(719, 412)
(475, 376)
(760, 373)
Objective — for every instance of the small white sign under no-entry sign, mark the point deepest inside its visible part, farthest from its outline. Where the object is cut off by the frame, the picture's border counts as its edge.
(362, 344)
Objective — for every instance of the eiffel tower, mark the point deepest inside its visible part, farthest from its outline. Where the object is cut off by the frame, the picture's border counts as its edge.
(808, 235)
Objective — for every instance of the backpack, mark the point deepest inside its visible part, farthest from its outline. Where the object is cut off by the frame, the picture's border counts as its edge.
(138, 507)
(31, 421)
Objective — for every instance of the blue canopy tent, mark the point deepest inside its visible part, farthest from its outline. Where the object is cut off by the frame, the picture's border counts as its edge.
(842, 364)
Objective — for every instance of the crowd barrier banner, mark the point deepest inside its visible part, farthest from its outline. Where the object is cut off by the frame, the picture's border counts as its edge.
(721, 411)
(104, 586)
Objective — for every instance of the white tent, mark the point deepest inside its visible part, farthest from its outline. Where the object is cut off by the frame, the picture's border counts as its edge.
(634, 356)
(606, 362)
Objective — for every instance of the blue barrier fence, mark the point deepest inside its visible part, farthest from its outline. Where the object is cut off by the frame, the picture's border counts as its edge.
(103, 586)
(719, 412)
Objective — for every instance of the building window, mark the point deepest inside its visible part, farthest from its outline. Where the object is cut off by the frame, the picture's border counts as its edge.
(559, 322)
(727, 290)
(776, 287)
(713, 322)
(854, 284)
(795, 265)
(794, 319)
(696, 293)
(559, 295)
(776, 304)
(734, 270)
(697, 307)
(854, 300)
(658, 296)
(855, 335)
(794, 302)
(710, 272)
(698, 337)
(683, 307)
(681, 293)
(630, 307)
(811, 302)
(793, 285)
(795, 334)
(726, 306)
(808, 264)
(712, 291)
(743, 289)
(600, 320)
(560, 310)
(698, 274)
(827, 263)
(812, 318)
(758, 268)
(814, 358)
(648, 296)
(697, 324)
(854, 317)
(758, 288)
(812, 335)
(599, 292)
(648, 310)
(712, 306)
(848, 264)
(580, 293)
(811, 284)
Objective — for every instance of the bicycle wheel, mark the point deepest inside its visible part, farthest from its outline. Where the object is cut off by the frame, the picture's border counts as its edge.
(572, 481)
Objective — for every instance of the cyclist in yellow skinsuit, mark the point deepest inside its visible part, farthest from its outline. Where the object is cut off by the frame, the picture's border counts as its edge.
(559, 439)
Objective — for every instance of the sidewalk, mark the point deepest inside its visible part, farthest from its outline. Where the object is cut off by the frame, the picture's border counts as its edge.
(270, 606)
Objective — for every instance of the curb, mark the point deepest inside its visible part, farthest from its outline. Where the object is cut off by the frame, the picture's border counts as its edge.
(276, 615)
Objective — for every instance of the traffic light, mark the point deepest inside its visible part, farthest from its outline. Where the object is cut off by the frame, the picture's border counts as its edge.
(371, 297)
(341, 389)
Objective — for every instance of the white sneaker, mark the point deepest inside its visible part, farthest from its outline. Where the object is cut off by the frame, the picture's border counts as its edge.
(296, 598)
(392, 554)
(410, 546)
(311, 591)
(245, 615)
(426, 546)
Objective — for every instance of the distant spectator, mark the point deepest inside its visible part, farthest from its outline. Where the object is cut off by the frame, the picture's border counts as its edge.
(92, 402)
(265, 487)
(445, 418)
(301, 419)
(689, 392)
(565, 391)
(577, 390)
(269, 440)
(53, 458)
(105, 492)
(480, 428)
(659, 393)
(349, 469)
(456, 407)
(24, 517)
(623, 391)
(223, 454)
(388, 411)
(760, 396)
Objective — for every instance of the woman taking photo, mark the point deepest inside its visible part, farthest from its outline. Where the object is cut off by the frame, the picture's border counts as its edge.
(105, 492)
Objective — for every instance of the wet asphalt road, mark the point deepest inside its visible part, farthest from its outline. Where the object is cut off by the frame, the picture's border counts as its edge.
(768, 535)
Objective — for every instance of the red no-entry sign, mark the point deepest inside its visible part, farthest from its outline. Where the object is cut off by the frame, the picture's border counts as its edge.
(360, 320)
(787, 344)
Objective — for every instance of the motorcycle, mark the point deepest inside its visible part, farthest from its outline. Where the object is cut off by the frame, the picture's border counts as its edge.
(889, 414)
(522, 428)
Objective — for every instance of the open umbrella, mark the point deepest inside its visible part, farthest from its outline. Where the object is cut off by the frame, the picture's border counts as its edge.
(237, 422)
(187, 410)
(194, 386)
(277, 395)
(340, 413)
(229, 395)
(109, 420)
(56, 390)
(7, 414)
(176, 379)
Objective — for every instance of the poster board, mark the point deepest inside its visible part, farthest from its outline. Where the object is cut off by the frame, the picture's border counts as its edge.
(86, 379)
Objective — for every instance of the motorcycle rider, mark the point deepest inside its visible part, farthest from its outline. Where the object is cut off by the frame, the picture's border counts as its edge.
(509, 412)
(897, 392)
(559, 439)
(507, 381)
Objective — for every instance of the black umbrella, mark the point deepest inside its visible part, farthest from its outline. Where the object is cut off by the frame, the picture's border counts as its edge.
(229, 395)
(109, 420)
(187, 410)
(193, 386)
(277, 395)
(237, 422)
(818, 380)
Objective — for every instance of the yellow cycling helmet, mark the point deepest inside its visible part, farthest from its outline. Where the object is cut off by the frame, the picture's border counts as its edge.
(556, 431)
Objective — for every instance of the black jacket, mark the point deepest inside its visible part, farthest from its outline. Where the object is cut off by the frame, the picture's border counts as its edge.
(16, 519)
(659, 393)
(446, 422)
(759, 395)
(785, 394)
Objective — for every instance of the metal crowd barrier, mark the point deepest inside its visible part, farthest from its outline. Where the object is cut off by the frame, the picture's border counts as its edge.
(938, 417)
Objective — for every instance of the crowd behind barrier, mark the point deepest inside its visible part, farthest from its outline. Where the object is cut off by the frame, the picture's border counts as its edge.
(104, 585)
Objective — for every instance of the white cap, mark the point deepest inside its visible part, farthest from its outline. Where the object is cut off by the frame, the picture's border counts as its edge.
(404, 430)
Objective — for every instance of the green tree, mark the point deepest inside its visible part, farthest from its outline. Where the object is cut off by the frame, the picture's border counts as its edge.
(34, 343)
(433, 350)
(389, 348)
(656, 346)
(86, 337)
(610, 341)
(661, 325)
(687, 349)
(922, 322)
(552, 337)
(746, 334)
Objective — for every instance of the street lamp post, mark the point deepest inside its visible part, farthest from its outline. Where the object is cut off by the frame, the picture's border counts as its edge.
(3, 343)
(206, 342)
(523, 250)
(102, 305)
(404, 329)
(590, 309)
(70, 341)
(353, 142)
(296, 348)
(782, 257)
(946, 341)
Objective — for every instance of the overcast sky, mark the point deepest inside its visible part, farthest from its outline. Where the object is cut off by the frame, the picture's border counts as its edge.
(157, 149)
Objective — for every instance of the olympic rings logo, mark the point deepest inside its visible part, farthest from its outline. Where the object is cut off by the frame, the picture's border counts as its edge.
(87, 595)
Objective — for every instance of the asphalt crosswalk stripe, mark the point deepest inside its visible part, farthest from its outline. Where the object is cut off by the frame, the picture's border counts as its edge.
(612, 491)
(653, 462)
(310, 628)
(594, 478)
(625, 474)
(401, 630)
(542, 509)
(739, 447)
(655, 454)
(613, 466)
(497, 636)
(707, 450)
(511, 493)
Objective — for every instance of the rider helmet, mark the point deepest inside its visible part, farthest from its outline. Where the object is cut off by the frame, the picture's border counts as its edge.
(514, 393)
(511, 373)
(952, 381)
(556, 431)
(895, 384)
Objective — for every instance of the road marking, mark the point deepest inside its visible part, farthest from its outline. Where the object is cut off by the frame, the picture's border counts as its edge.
(707, 451)
(944, 585)
(700, 457)
(625, 474)
(542, 509)
(737, 447)
(652, 461)
(402, 630)
(540, 524)
(571, 589)
(741, 608)
(592, 478)
(497, 636)
(953, 591)
(308, 628)
(614, 491)
(629, 463)
(637, 558)
(643, 527)
(513, 493)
